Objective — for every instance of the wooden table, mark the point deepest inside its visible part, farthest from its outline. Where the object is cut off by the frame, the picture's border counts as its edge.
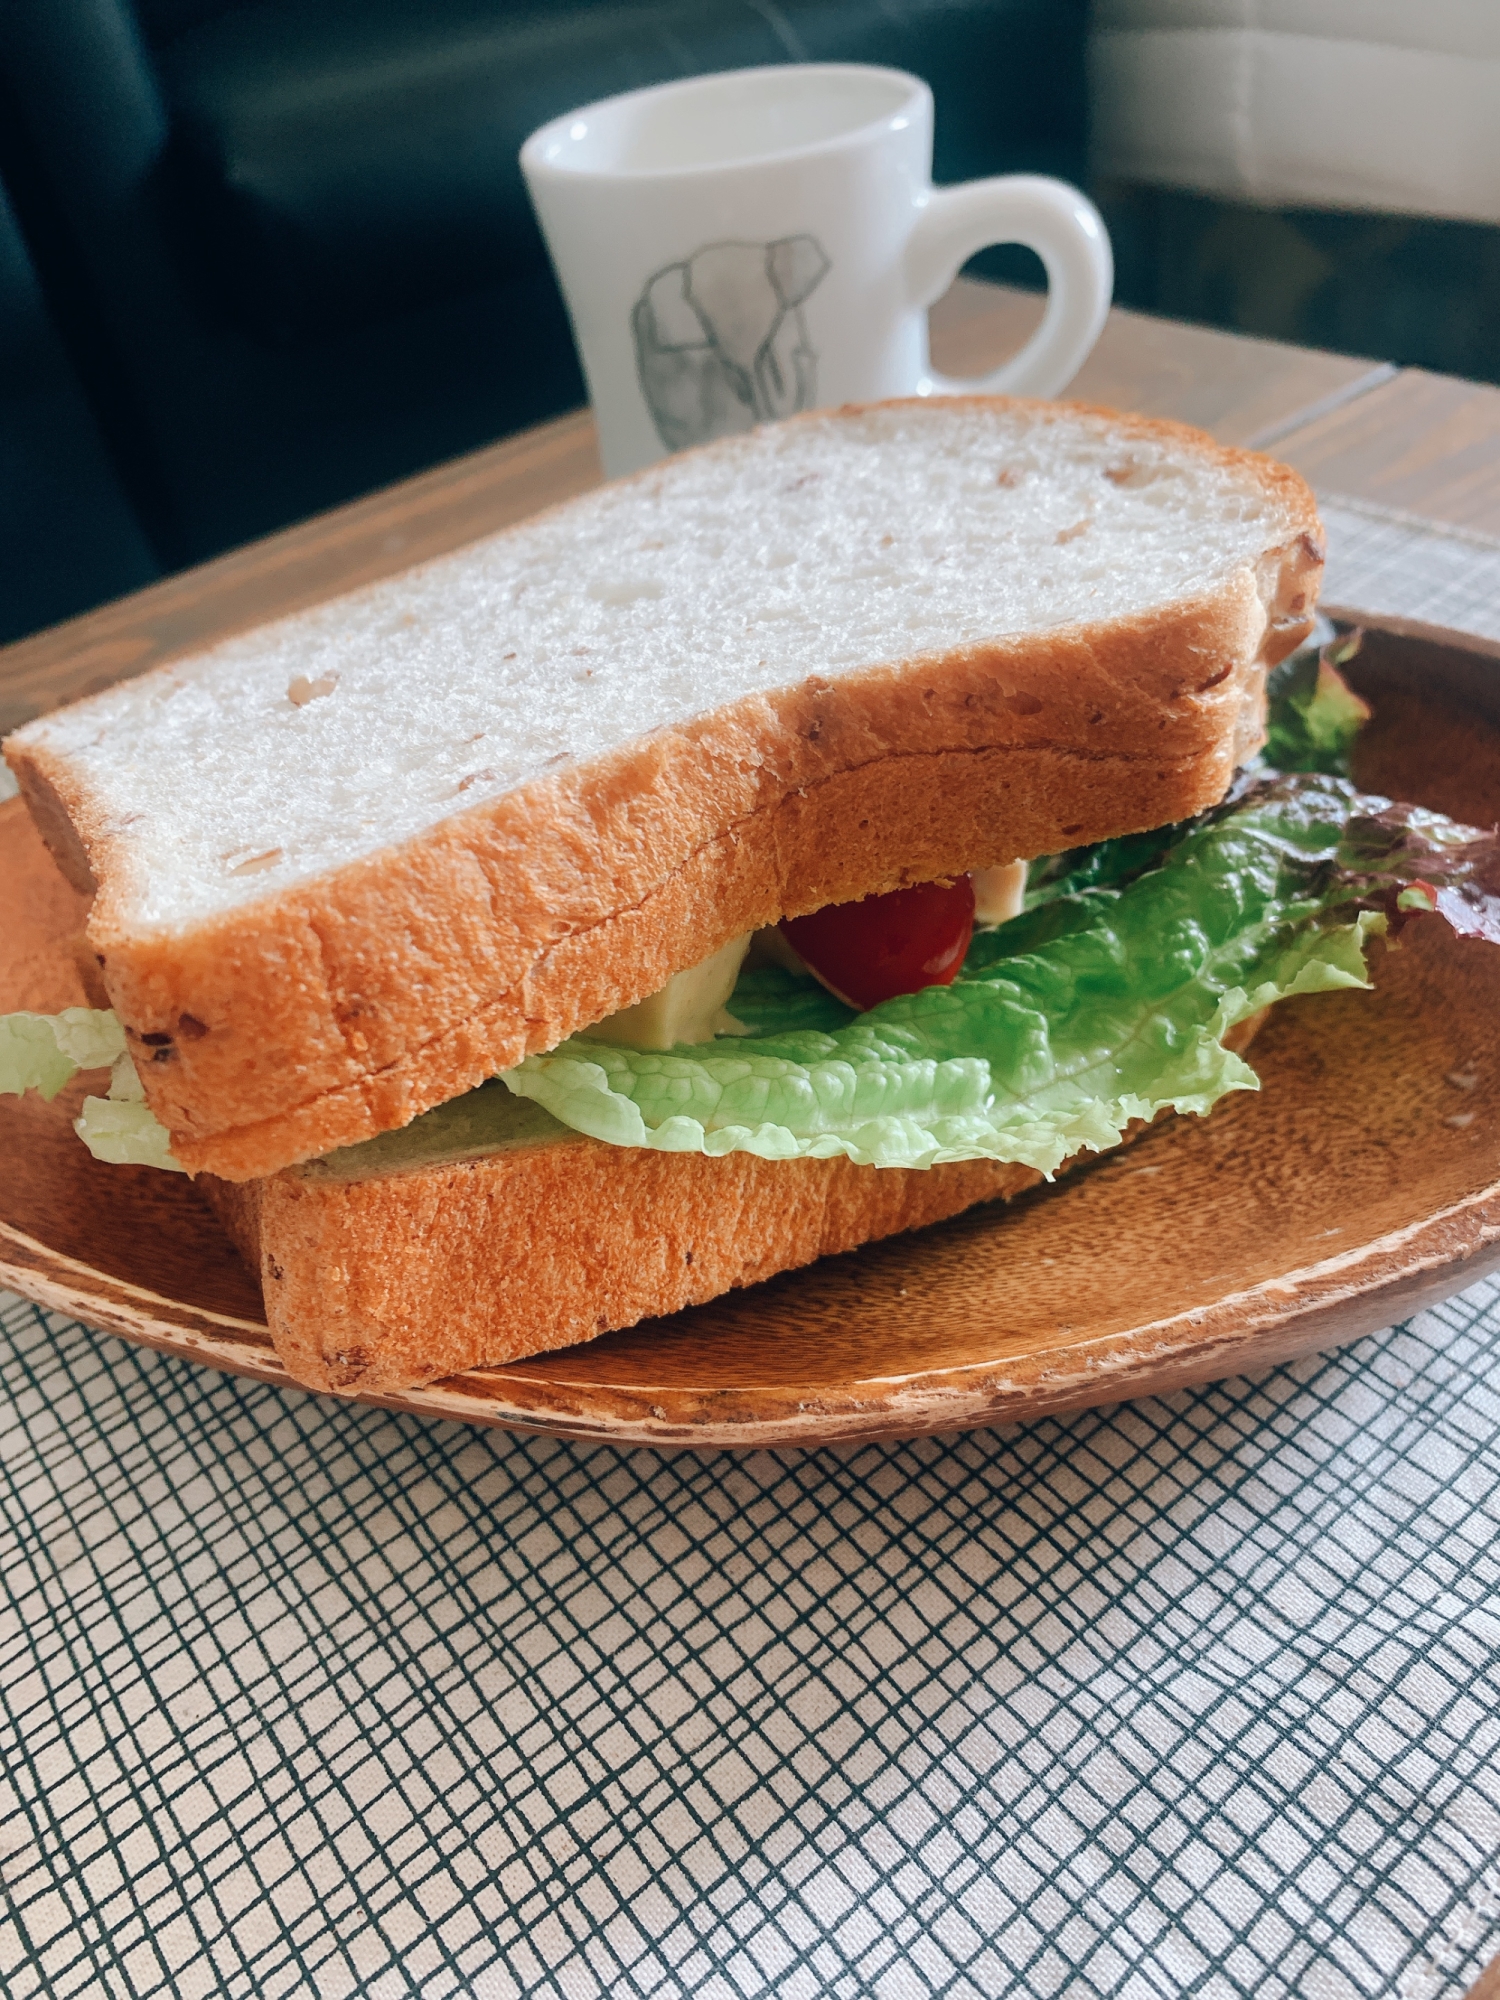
(1422, 442)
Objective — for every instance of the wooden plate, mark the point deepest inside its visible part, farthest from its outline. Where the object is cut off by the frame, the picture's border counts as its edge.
(1362, 1182)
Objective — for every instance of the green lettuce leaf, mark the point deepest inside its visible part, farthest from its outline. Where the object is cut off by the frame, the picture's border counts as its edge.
(1096, 1007)
(126, 1133)
(1108, 864)
(1312, 714)
(42, 1052)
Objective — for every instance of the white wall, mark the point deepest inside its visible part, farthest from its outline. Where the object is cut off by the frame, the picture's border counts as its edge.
(1362, 104)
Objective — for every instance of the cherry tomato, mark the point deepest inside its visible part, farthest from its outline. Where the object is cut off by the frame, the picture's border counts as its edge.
(872, 950)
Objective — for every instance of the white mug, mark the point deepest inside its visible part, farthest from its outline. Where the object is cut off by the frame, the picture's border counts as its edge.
(734, 248)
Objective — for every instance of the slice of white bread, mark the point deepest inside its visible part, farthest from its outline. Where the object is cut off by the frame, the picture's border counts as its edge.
(486, 1231)
(383, 1266)
(351, 864)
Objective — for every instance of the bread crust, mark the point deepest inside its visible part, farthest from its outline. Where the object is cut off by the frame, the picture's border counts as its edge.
(340, 1008)
(376, 1285)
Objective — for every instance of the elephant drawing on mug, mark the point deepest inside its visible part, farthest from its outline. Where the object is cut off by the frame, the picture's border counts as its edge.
(721, 340)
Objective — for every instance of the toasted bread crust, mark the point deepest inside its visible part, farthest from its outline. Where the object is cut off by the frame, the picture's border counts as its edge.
(332, 1011)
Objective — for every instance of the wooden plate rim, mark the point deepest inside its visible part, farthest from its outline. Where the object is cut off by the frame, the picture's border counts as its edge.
(1317, 1305)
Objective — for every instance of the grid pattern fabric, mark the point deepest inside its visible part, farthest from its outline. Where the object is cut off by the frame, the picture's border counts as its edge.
(1189, 1696)
(1386, 564)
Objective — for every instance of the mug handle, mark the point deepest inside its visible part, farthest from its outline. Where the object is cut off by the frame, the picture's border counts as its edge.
(1065, 230)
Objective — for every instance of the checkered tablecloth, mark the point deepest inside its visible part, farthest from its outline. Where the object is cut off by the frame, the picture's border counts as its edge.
(1390, 566)
(1195, 1696)
(1199, 1695)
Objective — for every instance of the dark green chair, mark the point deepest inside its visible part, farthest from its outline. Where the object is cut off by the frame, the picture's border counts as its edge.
(289, 240)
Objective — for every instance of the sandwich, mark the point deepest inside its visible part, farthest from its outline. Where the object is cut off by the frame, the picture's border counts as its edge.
(795, 843)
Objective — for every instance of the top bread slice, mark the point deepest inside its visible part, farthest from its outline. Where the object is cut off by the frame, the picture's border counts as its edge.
(353, 863)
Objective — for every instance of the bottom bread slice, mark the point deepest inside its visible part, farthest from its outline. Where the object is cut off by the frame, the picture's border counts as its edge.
(487, 1231)
(379, 1281)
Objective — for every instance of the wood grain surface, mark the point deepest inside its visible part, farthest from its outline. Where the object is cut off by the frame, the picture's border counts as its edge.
(1244, 391)
(1362, 1182)
(1241, 389)
(1427, 444)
